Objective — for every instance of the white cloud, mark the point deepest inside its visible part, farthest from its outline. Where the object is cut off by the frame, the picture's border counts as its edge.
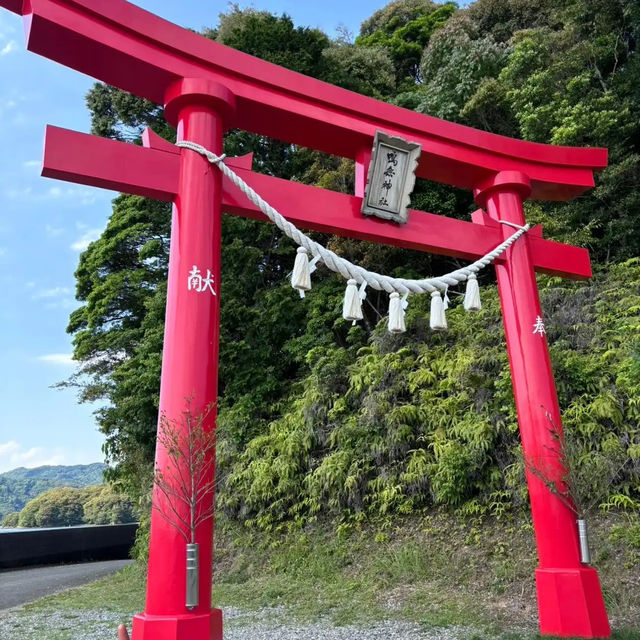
(29, 164)
(78, 195)
(58, 359)
(55, 298)
(3, 251)
(19, 194)
(85, 239)
(7, 24)
(8, 48)
(13, 454)
(54, 292)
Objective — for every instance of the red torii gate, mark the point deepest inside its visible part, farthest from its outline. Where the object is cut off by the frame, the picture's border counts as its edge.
(207, 88)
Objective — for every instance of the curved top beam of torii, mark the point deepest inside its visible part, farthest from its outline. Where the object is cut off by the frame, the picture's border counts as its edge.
(127, 47)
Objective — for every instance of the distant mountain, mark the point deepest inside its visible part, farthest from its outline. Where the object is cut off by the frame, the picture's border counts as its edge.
(19, 485)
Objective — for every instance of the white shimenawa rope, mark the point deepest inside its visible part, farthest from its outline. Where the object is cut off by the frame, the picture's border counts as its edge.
(347, 269)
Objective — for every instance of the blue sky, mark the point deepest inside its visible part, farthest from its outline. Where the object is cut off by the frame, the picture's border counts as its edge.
(44, 224)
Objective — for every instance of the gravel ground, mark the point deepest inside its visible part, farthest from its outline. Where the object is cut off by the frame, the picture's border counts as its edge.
(265, 624)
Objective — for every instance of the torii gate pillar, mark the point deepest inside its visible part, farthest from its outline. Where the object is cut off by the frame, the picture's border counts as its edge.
(199, 109)
(570, 601)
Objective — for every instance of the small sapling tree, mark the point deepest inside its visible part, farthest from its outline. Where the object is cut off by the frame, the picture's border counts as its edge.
(187, 482)
(586, 479)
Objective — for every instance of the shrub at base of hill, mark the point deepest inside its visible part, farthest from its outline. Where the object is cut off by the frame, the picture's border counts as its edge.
(54, 508)
(426, 419)
(108, 507)
(68, 507)
(10, 521)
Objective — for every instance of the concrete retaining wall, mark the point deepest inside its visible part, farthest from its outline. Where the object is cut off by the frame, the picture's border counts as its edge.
(66, 544)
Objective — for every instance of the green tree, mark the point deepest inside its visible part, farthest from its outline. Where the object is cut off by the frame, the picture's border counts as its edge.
(404, 28)
(272, 38)
(318, 416)
(365, 70)
(502, 18)
(107, 507)
(55, 508)
(10, 520)
(121, 278)
(578, 84)
(457, 60)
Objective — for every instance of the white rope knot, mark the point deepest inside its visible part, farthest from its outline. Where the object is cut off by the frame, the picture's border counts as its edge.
(198, 148)
(514, 225)
(349, 271)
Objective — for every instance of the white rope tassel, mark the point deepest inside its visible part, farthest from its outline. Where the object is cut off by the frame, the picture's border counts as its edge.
(301, 276)
(437, 317)
(396, 314)
(352, 305)
(472, 294)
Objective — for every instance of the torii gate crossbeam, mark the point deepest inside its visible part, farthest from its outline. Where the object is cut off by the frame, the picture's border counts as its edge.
(207, 88)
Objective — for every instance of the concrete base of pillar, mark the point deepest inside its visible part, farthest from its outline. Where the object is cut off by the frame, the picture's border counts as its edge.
(570, 603)
(179, 627)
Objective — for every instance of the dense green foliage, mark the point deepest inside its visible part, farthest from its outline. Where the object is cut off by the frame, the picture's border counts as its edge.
(10, 520)
(68, 506)
(18, 486)
(403, 29)
(54, 508)
(107, 507)
(318, 417)
(406, 423)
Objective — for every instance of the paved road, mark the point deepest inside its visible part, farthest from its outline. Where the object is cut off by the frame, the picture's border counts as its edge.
(24, 585)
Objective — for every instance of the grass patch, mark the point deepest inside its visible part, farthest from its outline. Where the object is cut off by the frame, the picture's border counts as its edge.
(121, 593)
(429, 571)
(437, 571)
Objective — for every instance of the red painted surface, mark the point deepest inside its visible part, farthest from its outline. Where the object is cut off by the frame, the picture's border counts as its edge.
(569, 596)
(153, 172)
(127, 47)
(190, 357)
(121, 44)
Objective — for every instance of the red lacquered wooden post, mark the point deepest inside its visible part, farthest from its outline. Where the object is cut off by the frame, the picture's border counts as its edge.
(569, 596)
(190, 356)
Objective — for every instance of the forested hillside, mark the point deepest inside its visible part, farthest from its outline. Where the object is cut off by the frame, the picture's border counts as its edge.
(317, 417)
(18, 486)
